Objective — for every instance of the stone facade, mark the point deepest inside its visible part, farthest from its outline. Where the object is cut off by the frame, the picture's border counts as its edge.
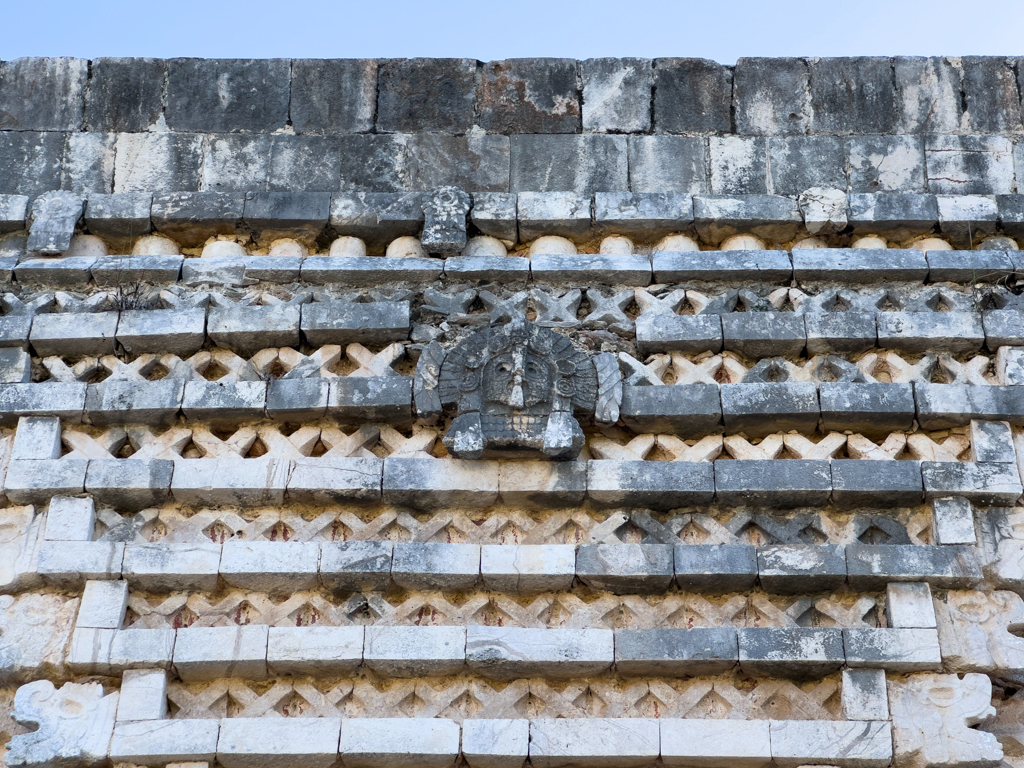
(436, 413)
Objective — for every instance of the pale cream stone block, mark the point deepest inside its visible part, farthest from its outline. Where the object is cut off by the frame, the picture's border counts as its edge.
(398, 742)
(595, 742)
(103, 604)
(156, 742)
(206, 653)
(261, 742)
(143, 695)
(415, 651)
(495, 743)
(843, 743)
(314, 650)
(526, 568)
(715, 743)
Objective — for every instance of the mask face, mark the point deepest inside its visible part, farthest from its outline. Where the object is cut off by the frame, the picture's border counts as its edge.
(518, 379)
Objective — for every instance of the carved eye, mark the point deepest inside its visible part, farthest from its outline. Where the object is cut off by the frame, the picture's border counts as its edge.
(534, 370)
(504, 368)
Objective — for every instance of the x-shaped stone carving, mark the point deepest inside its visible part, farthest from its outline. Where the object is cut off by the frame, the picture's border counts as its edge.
(826, 448)
(637, 374)
(557, 311)
(753, 301)
(212, 447)
(842, 300)
(136, 370)
(972, 372)
(448, 303)
(15, 305)
(635, 450)
(341, 445)
(502, 309)
(236, 368)
(85, 446)
(899, 370)
(707, 369)
(860, 447)
(61, 371)
(740, 448)
(706, 449)
(298, 444)
(296, 364)
(371, 364)
(417, 446)
(98, 302)
(722, 304)
(607, 311)
(168, 445)
(667, 304)
(923, 448)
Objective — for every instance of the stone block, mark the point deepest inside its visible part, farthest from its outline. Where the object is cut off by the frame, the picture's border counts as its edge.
(588, 269)
(298, 399)
(909, 606)
(867, 408)
(279, 568)
(13, 212)
(508, 653)
(541, 484)
(52, 221)
(311, 163)
(691, 411)
(118, 217)
(148, 742)
(859, 265)
(899, 214)
(535, 95)
(258, 481)
(432, 483)
(527, 568)
(333, 95)
(845, 744)
(501, 269)
(415, 95)
(785, 483)
(369, 271)
(227, 95)
(1003, 327)
(774, 218)
(103, 605)
(89, 164)
(617, 95)
(368, 742)
(142, 649)
(725, 266)
(954, 405)
(357, 400)
(881, 164)
(668, 164)
(738, 165)
(171, 567)
(715, 743)
(929, 95)
(286, 214)
(415, 651)
(43, 94)
(762, 409)
(764, 334)
(655, 485)
(626, 568)
(323, 480)
(771, 97)
(898, 650)
(594, 741)
(379, 322)
(1011, 211)
(89, 652)
(992, 441)
(962, 218)
(583, 164)
(286, 742)
(969, 165)
(74, 335)
(14, 331)
(643, 214)
(991, 98)
(143, 695)
(983, 483)
(72, 563)
(158, 162)
(124, 94)
(871, 567)
(801, 652)
(692, 96)
(918, 332)
(494, 214)
(37, 481)
(866, 483)
(681, 333)
(675, 652)
(715, 568)
(246, 330)
(953, 521)
(863, 695)
(206, 653)
(495, 743)
(355, 566)
(224, 403)
(191, 218)
(155, 403)
(428, 565)
(852, 95)
(563, 213)
(314, 650)
(799, 163)
(179, 332)
(37, 437)
(33, 161)
(70, 519)
(792, 569)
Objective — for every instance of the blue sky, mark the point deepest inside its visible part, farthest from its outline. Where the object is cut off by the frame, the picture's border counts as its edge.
(494, 29)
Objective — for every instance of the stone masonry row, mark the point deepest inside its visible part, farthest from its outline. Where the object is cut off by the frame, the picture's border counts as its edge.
(35, 162)
(859, 95)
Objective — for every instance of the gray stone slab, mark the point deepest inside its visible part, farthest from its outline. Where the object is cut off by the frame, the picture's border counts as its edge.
(692, 96)
(855, 94)
(426, 95)
(494, 214)
(940, 406)
(1003, 328)
(65, 400)
(647, 214)
(953, 521)
(969, 164)
(550, 101)
(668, 164)
(650, 484)
(992, 441)
(899, 213)
(859, 265)
(14, 330)
(224, 403)
(369, 271)
(66, 272)
(124, 94)
(508, 653)
(882, 484)
(378, 217)
(566, 213)
(374, 399)
(738, 165)
(871, 567)
(775, 218)
(761, 409)
(1011, 214)
(340, 322)
(246, 330)
(863, 695)
(920, 332)
(583, 164)
(693, 410)
(542, 484)
(799, 163)
(771, 96)
(680, 333)
(129, 484)
(929, 94)
(355, 566)
(191, 218)
(881, 164)
(782, 483)
(968, 266)
(117, 270)
(626, 568)
(155, 403)
(118, 217)
(273, 269)
(591, 268)
(329, 480)
(801, 652)
(507, 269)
(170, 567)
(764, 334)
(731, 266)
(432, 483)
(521, 569)
(617, 95)
(983, 483)
(842, 332)
(715, 568)
(868, 408)
(15, 366)
(295, 214)
(13, 212)
(74, 334)
(428, 565)
(43, 94)
(298, 399)
(179, 332)
(31, 481)
(894, 649)
(333, 95)
(675, 652)
(791, 569)
(227, 95)
(846, 744)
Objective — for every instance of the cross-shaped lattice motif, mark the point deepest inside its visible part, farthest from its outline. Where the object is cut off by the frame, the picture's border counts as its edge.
(707, 369)
(889, 366)
(666, 304)
(375, 364)
(860, 447)
(168, 445)
(417, 446)
(607, 312)
(557, 311)
(650, 373)
(85, 446)
(503, 309)
(61, 371)
(706, 449)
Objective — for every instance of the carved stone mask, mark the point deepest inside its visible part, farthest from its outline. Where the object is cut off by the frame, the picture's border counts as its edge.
(519, 379)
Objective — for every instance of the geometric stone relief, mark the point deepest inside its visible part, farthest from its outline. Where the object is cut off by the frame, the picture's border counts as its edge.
(976, 633)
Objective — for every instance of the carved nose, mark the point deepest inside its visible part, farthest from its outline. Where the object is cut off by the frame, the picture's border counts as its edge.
(515, 398)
